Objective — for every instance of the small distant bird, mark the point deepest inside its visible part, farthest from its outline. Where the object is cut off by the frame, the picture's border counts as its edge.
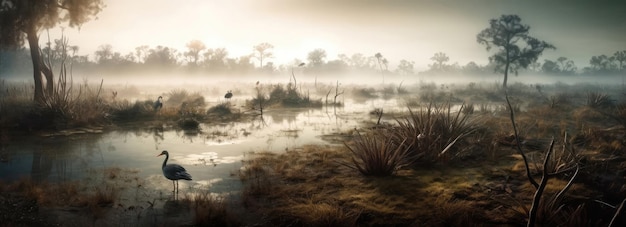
(301, 64)
(173, 172)
(229, 94)
(158, 104)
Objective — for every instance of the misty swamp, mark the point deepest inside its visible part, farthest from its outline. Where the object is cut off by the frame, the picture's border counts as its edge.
(110, 174)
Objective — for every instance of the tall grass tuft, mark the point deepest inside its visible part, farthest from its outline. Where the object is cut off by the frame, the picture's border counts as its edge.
(376, 155)
(127, 111)
(430, 133)
(210, 210)
(599, 100)
(290, 97)
(69, 106)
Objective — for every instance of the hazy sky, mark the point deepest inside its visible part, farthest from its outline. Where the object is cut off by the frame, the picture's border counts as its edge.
(412, 30)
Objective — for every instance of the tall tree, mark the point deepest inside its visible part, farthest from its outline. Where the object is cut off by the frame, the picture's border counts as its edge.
(104, 53)
(567, 66)
(515, 48)
(379, 58)
(550, 67)
(262, 51)
(620, 57)
(316, 57)
(161, 56)
(193, 53)
(405, 67)
(440, 59)
(602, 63)
(142, 53)
(215, 59)
(21, 20)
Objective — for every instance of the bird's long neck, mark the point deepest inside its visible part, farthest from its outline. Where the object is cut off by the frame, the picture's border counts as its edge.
(167, 156)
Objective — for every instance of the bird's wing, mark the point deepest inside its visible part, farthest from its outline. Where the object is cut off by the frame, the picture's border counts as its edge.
(173, 168)
(176, 171)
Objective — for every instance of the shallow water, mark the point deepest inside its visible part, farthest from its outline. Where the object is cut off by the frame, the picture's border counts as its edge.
(211, 155)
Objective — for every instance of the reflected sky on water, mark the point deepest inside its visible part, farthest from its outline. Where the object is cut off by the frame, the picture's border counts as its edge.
(211, 154)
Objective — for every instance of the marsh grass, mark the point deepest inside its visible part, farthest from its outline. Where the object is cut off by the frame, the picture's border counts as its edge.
(73, 195)
(559, 100)
(221, 109)
(291, 97)
(15, 103)
(314, 187)
(376, 155)
(187, 104)
(364, 93)
(599, 100)
(124, 110)
(434, 133)
(212, 210)
(68, 105)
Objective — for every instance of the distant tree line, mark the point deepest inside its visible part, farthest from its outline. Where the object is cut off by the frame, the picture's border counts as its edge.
(598, 65)
(199, 58)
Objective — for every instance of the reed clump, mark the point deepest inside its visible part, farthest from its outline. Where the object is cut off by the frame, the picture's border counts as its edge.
(434, 133)
(376, 155)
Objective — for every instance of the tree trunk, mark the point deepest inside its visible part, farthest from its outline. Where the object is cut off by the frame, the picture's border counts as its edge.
(33, 42)
(506, 74)
(506, 68)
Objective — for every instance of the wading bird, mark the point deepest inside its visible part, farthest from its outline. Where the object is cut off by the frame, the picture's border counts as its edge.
(173, 172)
(229, 94)
(158, 104)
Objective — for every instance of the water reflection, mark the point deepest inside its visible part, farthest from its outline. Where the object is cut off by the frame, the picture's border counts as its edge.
(211, 154)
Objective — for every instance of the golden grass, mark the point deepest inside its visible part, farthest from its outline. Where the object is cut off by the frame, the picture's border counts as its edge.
(376, 155)
(313, 186)
(211, 210)
(324, 192)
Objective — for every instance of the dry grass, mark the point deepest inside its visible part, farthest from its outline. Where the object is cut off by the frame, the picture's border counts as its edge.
(599, 100)
(376, 155)
(312, 187)
(66, 194)
(210, 210)
(434, 132)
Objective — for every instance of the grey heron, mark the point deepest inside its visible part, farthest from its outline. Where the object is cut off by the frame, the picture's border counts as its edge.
(158, 104)
(173, 172)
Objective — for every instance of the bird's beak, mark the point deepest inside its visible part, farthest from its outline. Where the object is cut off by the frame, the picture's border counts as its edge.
(159, 155)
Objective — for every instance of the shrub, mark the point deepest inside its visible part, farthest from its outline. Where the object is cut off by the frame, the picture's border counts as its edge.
(220, 109)
(126, 111)
(290, 97)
